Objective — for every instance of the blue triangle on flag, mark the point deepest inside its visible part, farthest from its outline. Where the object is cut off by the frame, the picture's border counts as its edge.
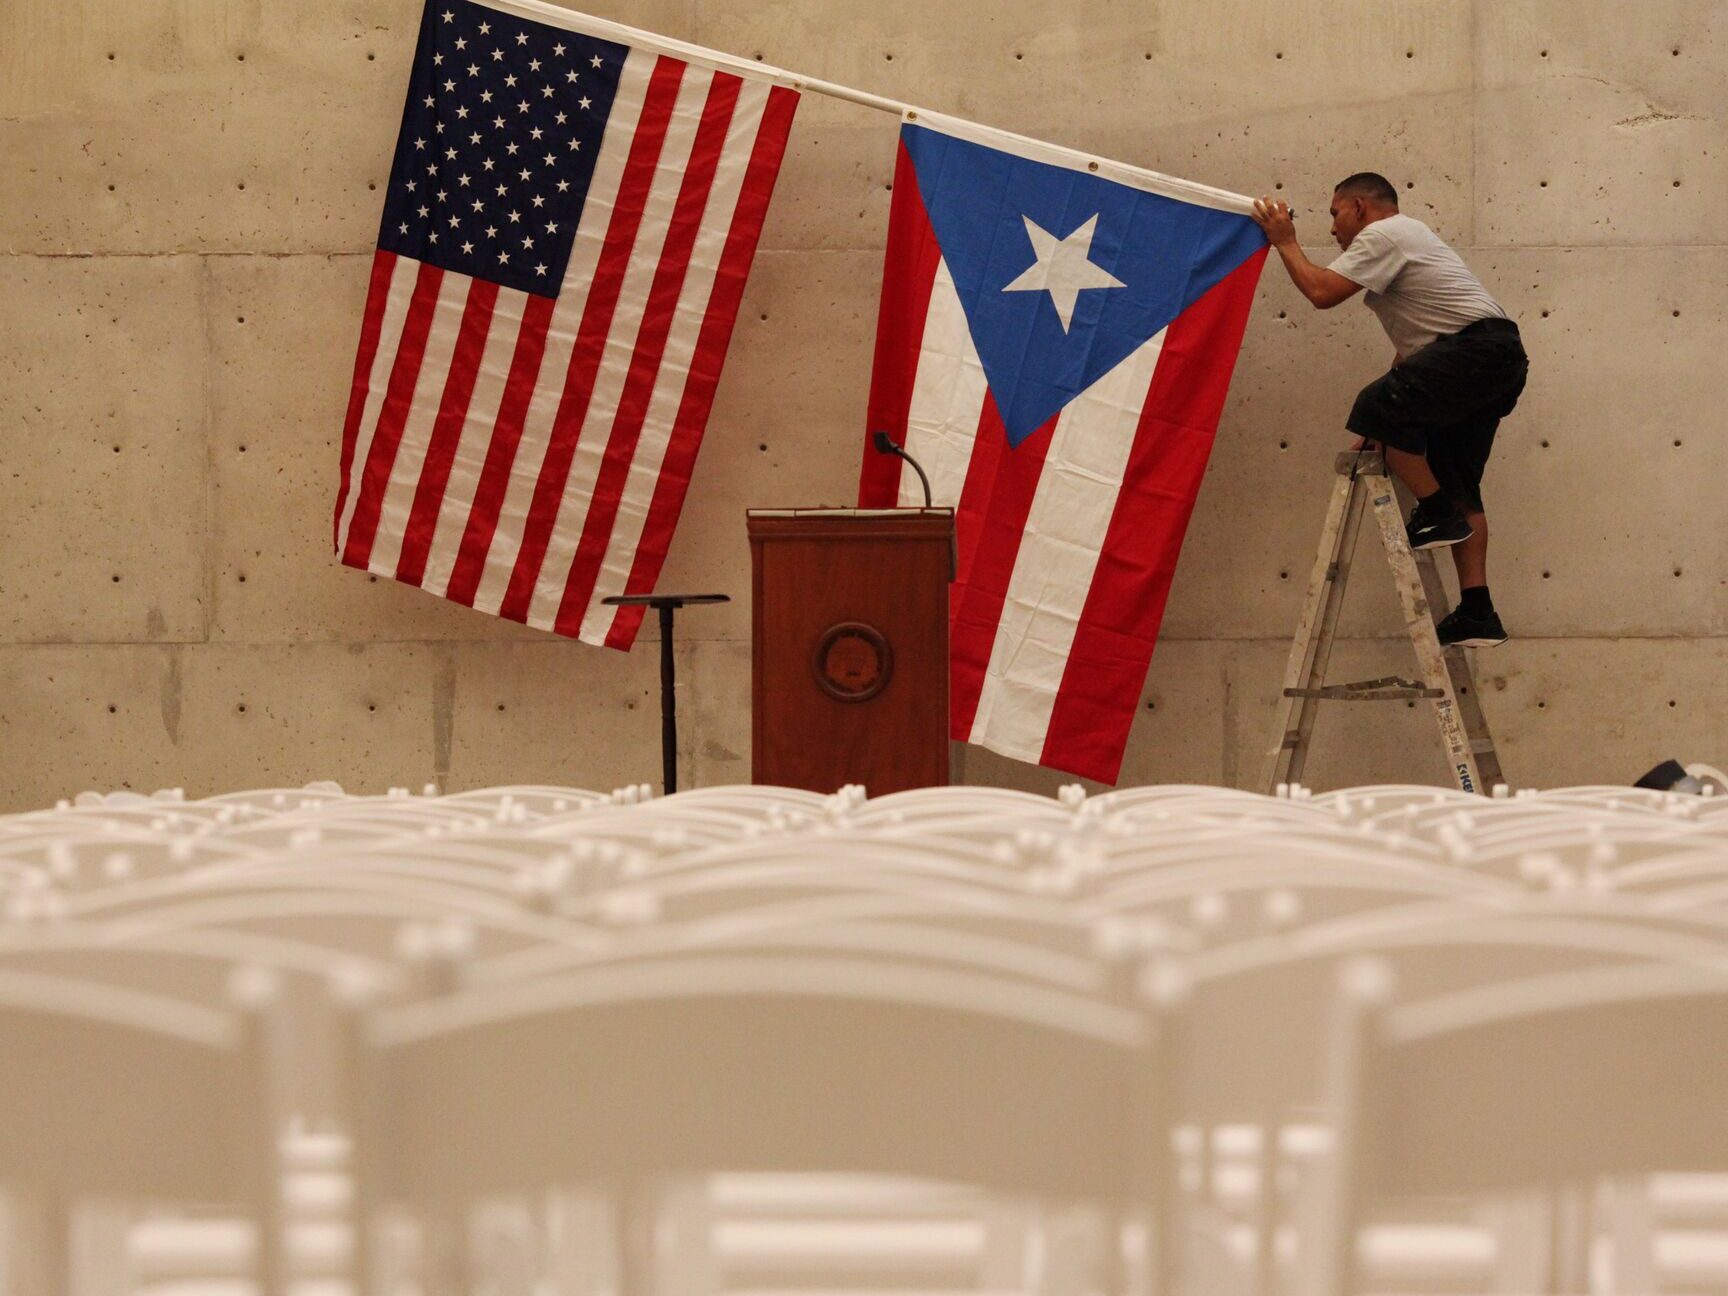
(999, 218)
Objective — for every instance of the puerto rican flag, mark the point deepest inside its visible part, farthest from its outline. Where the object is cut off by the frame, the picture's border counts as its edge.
(1055, 343)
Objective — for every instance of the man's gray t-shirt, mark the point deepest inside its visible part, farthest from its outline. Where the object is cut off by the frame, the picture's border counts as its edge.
(1417, 286)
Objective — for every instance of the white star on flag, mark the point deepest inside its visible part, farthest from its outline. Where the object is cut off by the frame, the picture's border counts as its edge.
(1064, 268)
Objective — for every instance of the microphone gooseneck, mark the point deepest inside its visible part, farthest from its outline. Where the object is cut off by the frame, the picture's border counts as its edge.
(885, 445)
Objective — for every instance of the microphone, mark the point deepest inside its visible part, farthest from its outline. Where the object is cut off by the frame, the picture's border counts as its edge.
(885, 445)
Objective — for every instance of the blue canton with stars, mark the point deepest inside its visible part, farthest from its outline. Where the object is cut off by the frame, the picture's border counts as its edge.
(499, 139)
(1163, 254)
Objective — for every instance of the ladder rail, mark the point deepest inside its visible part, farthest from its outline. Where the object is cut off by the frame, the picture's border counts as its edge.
(1419, 621)
(1463, 683)
(1312, 646)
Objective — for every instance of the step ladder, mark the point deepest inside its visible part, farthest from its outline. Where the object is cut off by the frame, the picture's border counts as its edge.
(1445, 678)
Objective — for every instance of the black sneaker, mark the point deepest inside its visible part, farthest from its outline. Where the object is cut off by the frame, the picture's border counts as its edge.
(1430, 531)
(1458, 628)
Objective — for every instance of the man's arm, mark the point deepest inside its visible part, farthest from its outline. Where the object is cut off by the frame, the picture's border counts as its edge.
(1325, 288)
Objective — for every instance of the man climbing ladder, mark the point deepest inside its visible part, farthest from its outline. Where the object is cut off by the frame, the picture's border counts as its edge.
(1459, 370)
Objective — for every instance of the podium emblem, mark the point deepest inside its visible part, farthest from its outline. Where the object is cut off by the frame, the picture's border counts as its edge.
(852, 662)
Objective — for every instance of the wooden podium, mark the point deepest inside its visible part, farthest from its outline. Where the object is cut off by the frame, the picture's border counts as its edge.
(850, 657)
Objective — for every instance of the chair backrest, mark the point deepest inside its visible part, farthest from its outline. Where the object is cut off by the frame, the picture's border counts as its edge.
(1519, 1082)
(121, 1092)
(760, 1062)
(1602, 1070)
(1251, 1047)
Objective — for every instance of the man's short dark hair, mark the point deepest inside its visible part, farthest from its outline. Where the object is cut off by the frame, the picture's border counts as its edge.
(1368, 184)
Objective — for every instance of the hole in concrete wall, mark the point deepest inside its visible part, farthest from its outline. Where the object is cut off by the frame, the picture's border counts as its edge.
(110, 188)
(372, 579)
(763, 447)
(1279, 54)
(1018, 57)
(758, 58)
(1409, 54)
(1547, 575)
(111, 56)
(500, 707)
(1544, 184)
(1676, 314)
(371, 706)
(1278, 185)
(116, 579)
(1148, 56)
(1676, 184)
(112, 708)
(1671, 702)
(1675, 52)
(1676, 572)
(1283, 445)
(1541, 706)
(117, 448)
(1676, 443)
(1410, 706)
(372, 184)
(239, 319)
(242, 449)
(1283, 314)
(1409, 184)
(1544, 445)
(764, 317)
(888, 58)
(1283, 575)
(1544, 314)
(242, 708)
(1151, 705)
(241, 185)
(242, 578)
(1544, 53)
(371, 57)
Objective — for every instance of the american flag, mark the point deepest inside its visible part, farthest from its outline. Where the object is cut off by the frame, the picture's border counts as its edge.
(1055, 342)
(569, 224)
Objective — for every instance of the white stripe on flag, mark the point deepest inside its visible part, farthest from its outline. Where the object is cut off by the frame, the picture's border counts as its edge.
(417, 426)
(620, 345)
(947, 400)
(475, 439)
(674, 373)
(402, 277)
(566, 319)
(1065, 530)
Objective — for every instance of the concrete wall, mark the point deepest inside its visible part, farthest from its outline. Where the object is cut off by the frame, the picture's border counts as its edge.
(188, 200)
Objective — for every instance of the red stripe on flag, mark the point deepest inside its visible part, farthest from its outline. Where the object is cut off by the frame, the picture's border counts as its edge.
(639, 382)
(708, 358)
(989, 524)
(908, 277)
(387, 438)
(447, 430)
(383, 266)
(1112, 649)
(591, 335)
(494, 481)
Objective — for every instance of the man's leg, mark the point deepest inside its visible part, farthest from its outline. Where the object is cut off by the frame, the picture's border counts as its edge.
(1413, 471)
(1471, 556)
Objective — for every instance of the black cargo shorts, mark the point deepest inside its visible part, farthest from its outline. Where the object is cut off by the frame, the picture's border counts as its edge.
(1446, 400)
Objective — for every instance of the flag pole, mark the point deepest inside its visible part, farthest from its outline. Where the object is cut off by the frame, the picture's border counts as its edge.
(700, 55)
(715, 60)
